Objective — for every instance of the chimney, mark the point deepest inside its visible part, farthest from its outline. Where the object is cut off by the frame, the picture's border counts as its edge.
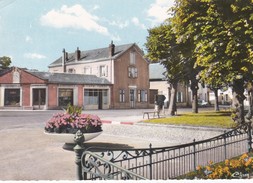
(111, 49)
(77, 54)
(64, 60)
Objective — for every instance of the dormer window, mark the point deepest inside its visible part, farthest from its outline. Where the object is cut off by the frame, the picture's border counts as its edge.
(132, 58)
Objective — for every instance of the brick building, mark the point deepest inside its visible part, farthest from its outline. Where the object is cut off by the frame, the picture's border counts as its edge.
(123, 66)
(111, 77)
(24, 89)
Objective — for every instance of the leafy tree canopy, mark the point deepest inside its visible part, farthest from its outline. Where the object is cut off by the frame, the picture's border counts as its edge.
(5, 61)
(162, 47)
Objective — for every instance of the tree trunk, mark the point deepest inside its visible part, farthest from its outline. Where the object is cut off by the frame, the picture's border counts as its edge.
(250, 99)
(238, 98)
(216, 103)
(173, 103)
(194, 89)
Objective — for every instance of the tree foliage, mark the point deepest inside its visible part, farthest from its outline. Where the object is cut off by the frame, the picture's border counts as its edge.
(215, 39)
(5, 61)
(220, 33)
(225, 45)
(183, 22)
(162, 47)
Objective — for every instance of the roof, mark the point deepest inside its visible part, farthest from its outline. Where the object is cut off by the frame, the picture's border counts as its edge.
(4, 71)
(93, 55)
(67, 78)
(156, 71)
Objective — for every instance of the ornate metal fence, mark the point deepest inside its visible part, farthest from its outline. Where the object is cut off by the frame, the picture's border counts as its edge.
(166, 162)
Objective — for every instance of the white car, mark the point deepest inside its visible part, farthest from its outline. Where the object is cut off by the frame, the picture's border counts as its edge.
(202, 103)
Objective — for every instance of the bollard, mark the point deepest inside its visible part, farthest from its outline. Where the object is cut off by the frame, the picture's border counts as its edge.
(79, 140)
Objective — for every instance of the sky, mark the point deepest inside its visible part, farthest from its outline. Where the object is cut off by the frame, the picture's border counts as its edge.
(33, 33)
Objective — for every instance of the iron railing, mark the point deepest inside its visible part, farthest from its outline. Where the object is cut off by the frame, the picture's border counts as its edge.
(166, 162)
(100, 168)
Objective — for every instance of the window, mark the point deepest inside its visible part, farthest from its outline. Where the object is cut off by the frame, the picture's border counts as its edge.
(91, 96)
(103, 71)
(121, 95)
(132, 58)
(87, 70)
(12, 97)
(226, 97)
(179, 97)
(71, 70)
(142, 96)
(65, 96)
(132, 72)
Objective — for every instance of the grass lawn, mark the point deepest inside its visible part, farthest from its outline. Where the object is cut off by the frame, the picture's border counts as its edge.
(209, 118)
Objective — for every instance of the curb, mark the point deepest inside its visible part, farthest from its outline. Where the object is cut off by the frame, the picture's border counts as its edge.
(116, 122)
(205, 128)
(106, 121)
(126, 123)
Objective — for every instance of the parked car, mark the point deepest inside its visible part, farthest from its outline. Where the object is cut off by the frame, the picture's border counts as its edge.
(202, 103)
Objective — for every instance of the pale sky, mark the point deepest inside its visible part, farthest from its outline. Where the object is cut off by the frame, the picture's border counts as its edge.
(34, 32)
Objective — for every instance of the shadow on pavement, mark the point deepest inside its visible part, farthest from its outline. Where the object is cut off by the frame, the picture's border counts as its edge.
(98, 146)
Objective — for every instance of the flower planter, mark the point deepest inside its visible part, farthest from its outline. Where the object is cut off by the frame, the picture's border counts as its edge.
(63, 127)
(69, 138)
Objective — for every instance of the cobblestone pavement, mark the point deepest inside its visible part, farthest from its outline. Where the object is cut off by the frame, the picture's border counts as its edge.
(28, 154)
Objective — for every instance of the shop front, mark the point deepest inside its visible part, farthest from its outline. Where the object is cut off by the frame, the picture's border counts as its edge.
(96, 98)
(43, 90)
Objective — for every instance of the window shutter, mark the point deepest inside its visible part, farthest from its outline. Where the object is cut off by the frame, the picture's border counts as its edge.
(129, 72)
(123, 92)
(146, 96)
(135, 72)
(139, 95)
(106, 70)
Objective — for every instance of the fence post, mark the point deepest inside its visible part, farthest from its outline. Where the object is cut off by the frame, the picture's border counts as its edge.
(79, 139)
(194, 154)
(150, 161)
(249, 137)
(225, 145)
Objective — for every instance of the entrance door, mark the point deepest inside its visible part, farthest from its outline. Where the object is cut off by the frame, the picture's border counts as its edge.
(132, 98)
(39, 98)
(100, 99)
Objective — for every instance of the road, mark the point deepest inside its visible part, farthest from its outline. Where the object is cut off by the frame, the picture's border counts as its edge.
(28, 154)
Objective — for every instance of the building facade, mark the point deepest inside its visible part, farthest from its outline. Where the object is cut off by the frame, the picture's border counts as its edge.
(123, 66)
(24, 89)
(158, 82)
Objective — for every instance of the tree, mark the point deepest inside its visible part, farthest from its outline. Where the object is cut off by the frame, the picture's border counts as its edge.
(225, 45)
(162, 47)
(5, 62)
(185, 15)
(220, 37)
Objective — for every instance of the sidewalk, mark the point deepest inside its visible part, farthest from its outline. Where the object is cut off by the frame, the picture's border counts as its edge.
(26, 153)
